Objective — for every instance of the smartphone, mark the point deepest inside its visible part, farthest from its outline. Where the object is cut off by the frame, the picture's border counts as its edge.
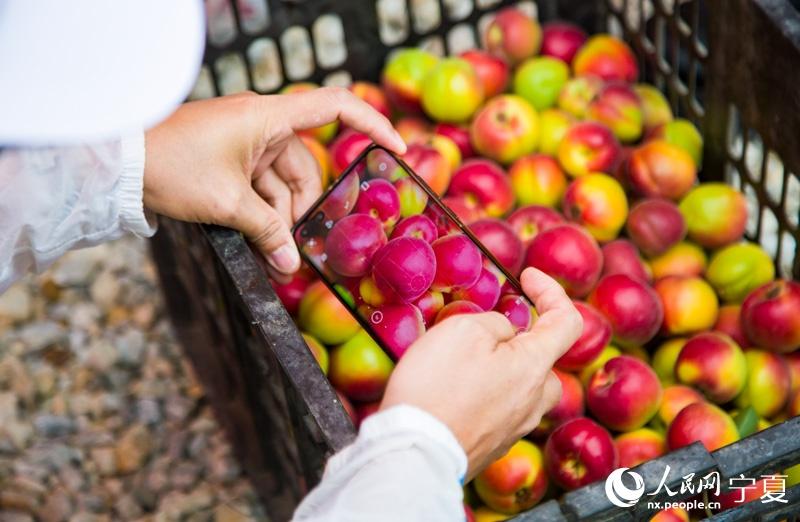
(398, 258)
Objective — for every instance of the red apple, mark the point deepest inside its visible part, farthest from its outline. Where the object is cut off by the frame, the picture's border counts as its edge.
(483, 183)
(459, 134)
(570, 406)
(505, 129)
(578, 453)
(608, 57)
(291, 293)
(568, 254)
(514, 482)
(622, 257)
(562, 40)
(458, 263)
(405, 267)
(771, 316)
(595, 336)
(484, 293)
(588, 147)
(633, 308)
(656, 225)
(429, 164)
(624, 394)
(403, 75)
(346, 147)
(518, 311)
(513, 35)
(492, 71)
(528, 221)
(457, 308)
(639, 446)
(501, 241)
(397, 326)
(352, 243)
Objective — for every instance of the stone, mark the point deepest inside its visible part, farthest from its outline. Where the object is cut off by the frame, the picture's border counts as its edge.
(15, 436)
(227, 513)
(178, 408)
(148, 411)
(130, 348)
(185, 475)
(75, 268)
(133, 448)
(127, 508)
(176, 505)
(105, 289)
(57, 506)
(16, 304)
(44, 378)
(14, 374)
(9, 407)
(53, 426)
(85, 316)
(84, 516)
(101, 356)
(223, 468)
(105, 460)
(143, 315)
(38, 335)
(19, 501)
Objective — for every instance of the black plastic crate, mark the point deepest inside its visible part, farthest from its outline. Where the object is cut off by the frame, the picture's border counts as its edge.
(731, 66)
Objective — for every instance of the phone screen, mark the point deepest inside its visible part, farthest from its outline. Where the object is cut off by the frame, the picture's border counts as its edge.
(398, 258)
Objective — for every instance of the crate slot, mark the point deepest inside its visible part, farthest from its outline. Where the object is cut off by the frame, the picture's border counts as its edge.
(461, 38)
(253, 15)
(392, 21)
(483, 4)
(231, 73)
(483, 23)
(753, 155)
(791, 203)
(329, 41)
(433, 44)
(753, 213)
(204, 86)
(425, 15)
(773, 176)
(297, 54)
(735, 141)
(787, 253)
(221, 24)
(265, 65)
(338, 79)
(769, 232)
(458, 9)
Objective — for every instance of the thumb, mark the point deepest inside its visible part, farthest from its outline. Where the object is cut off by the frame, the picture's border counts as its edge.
(268, 232)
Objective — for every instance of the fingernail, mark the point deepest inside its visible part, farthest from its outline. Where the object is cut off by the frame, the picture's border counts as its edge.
(285, 259)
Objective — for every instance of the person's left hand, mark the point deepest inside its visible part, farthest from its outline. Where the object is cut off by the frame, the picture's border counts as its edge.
(236, 161)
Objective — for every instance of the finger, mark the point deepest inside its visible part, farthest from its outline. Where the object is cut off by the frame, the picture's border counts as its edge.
(321, 106)
(276, 192)
(267, 231)
(494, 323)
(557, 313)
(300, 171)
(551, 392)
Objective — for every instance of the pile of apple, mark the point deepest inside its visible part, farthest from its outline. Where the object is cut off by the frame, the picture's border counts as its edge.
(544, 144)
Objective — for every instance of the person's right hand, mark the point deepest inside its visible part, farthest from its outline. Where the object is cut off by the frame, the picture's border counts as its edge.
(488, 385)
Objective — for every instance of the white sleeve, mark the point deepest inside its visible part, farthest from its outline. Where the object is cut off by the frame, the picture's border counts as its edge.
(404, 465)
(53, 199)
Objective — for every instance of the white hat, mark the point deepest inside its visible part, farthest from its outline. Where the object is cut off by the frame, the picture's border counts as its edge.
(91, 70)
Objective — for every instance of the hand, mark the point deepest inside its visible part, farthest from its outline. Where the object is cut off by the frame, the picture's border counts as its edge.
(488, 385)
(236, 161)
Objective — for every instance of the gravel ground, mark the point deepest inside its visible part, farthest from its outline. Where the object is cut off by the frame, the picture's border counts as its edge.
(101, 417)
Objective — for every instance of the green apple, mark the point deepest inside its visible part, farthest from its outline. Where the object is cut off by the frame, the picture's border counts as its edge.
(539, 80)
